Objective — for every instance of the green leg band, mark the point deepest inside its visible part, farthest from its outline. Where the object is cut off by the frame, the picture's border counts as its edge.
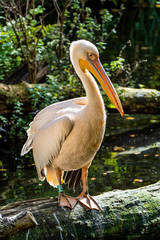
(60, 188)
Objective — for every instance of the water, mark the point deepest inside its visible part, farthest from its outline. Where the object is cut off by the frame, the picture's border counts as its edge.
(130, 154)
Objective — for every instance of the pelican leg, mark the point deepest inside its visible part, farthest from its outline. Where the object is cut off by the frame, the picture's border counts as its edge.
(84, 198)
(63, 199)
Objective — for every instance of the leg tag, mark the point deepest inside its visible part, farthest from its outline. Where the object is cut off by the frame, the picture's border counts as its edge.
(60, 188)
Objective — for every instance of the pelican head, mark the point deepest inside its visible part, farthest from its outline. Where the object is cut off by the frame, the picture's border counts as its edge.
(87, 56)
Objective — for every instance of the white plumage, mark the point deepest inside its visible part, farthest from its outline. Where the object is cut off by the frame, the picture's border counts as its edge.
(49, 129)
(65, 136)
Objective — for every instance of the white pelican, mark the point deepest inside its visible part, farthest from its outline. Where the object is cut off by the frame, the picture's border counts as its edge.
(65, 136)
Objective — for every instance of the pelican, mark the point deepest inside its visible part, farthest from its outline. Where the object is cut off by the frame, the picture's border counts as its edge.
(65, 136)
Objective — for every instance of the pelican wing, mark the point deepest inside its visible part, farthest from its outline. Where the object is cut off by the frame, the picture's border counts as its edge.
(48, 140)
(49, 114)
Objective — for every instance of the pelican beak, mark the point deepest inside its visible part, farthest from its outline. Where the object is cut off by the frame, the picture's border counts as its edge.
(95, 67)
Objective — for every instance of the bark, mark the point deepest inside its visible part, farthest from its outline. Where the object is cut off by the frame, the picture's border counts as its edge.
(21, 74)
(9, 94)
(140, 100)
(129, 214)
(133, 100)
(16, 223)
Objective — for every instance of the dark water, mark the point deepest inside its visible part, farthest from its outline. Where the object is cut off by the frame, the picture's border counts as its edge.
(130, 154)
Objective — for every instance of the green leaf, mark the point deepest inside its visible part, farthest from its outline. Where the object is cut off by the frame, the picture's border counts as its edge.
(37, 10)
(33, 22)
(29, 17)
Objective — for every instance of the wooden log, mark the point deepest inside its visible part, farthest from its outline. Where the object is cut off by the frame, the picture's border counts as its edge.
(140, 100)
(16, 223)
(133, 100)
(9, 94)
(130, 214)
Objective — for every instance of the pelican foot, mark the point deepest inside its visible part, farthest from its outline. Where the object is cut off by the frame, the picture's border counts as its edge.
(66, 201)
(87, 201)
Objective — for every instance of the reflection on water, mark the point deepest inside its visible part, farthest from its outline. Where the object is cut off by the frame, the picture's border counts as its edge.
(129, 158)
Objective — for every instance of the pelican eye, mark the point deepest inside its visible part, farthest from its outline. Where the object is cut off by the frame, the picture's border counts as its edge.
(92, 56)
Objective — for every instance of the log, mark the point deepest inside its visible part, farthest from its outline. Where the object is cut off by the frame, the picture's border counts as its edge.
(16, 223)
(140, 100)
(9, 94)
(130, 214)
(133, 100)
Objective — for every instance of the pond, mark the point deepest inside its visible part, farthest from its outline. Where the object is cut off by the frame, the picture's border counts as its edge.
(130, 154)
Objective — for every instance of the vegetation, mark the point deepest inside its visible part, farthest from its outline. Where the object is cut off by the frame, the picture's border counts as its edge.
(28, 39)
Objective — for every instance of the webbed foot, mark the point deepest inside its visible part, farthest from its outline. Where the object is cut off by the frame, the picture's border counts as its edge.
(66, 201)
(86, 200)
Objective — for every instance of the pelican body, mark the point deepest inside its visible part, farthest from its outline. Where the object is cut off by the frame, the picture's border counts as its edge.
(65, 136)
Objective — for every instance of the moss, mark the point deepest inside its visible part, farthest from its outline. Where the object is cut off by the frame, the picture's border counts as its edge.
(130, 214)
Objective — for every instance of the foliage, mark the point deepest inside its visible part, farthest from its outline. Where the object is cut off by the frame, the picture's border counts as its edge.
(43, 95)
(17, 123)
(29, 40)
(89, 28)
(32, 41)
(117, 64)
(10, 57)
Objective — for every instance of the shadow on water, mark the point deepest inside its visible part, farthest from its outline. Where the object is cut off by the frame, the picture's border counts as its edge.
(128, 158)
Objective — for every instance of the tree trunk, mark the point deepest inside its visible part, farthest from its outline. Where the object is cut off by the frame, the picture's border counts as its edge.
(133, 100)
(21, 74)
(130, 214)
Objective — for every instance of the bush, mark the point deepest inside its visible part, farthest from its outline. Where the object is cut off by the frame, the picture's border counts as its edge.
(10, 56)
(28, 39)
